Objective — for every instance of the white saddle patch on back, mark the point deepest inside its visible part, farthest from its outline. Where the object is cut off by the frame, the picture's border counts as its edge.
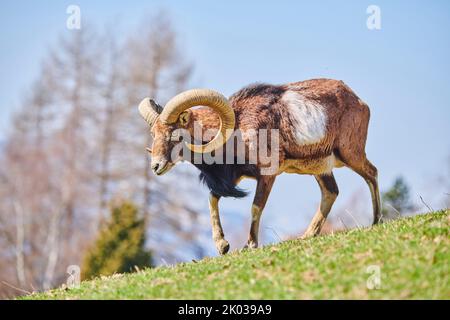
(308, 117)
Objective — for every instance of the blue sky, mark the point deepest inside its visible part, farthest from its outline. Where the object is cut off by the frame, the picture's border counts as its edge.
(402, 71)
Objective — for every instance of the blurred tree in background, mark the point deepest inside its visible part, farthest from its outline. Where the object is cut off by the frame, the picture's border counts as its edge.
(120, 246)
(397, 200)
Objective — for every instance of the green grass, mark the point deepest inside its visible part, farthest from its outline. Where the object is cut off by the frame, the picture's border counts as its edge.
(412, 253)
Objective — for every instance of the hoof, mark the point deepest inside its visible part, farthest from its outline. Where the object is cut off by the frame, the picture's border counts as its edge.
(377, 221)
(251, 245)
(222, 246)
(306, 236)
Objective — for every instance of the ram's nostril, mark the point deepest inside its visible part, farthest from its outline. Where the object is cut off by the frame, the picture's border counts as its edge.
(155, 166)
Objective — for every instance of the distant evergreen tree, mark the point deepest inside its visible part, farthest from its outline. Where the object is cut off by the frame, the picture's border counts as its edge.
(119, 247)
(396, 201)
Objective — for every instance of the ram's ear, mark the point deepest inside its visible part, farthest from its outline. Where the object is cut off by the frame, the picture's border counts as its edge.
(184, 117)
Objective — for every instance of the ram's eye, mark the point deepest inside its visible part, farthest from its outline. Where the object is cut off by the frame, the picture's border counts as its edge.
(176, 136)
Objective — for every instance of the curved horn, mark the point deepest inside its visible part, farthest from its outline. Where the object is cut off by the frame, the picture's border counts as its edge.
(202, 97)
(149, 110)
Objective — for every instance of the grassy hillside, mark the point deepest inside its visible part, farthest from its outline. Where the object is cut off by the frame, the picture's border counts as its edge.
(412, 253)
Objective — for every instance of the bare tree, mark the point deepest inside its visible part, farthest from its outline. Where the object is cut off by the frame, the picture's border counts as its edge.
(74, 69)
(24, 172)
(111, 114)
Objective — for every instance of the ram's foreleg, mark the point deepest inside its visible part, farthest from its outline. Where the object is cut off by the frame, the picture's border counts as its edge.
(222, 245)
(263, 188)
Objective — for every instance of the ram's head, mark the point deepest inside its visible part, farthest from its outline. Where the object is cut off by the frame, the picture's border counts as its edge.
(165, 124)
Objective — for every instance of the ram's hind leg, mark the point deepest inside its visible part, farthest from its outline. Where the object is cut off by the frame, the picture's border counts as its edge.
(351, 151)
(357, 161)
(370, 174)
(330, 191)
